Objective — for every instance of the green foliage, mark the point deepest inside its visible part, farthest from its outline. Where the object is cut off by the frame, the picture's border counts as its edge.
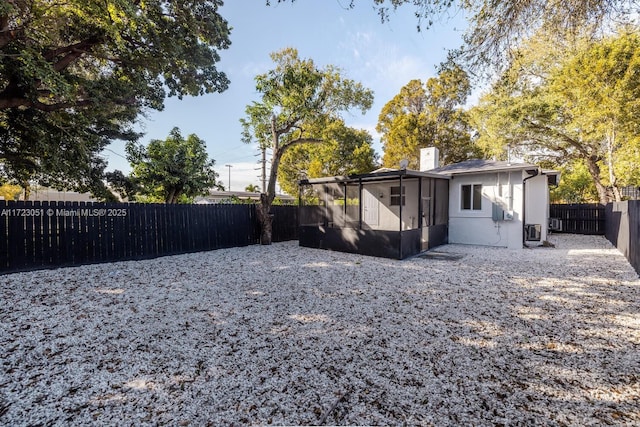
(75, 75)
(172, 171)
(345, 151)
(576, 185)
(126, 186)
(301, 98)
(10, 192)
(58, 149)
(429, 115)
(576, 103)
(252, 188)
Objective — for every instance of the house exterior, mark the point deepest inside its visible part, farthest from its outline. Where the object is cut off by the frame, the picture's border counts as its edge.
(398, 213)
(497, 203)
(387, 213)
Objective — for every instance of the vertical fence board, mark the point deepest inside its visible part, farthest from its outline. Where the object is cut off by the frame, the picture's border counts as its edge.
(29, 236)
(38, 245)
(634, 234)
(140, 232)
(170, 231)
(17, 238)
(54, 234)
(46, 234)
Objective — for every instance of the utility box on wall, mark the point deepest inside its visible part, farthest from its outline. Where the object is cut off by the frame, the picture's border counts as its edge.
(497, 213)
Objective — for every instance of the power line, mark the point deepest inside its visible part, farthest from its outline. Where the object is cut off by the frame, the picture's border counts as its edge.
(117, 154)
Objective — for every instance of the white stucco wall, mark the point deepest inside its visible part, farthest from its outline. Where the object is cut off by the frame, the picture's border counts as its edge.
(537, 204)
(478, 227)
(377, 197)
(505, 189)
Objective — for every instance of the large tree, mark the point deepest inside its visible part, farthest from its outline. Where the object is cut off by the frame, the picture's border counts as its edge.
(298, 100)
(425, 115)
(345, 151)
(580, 102)
(75, 74)
(171, 170)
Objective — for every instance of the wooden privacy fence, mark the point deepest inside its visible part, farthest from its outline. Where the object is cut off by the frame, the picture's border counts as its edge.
(623, 229)
(48, 234)
(584, 218)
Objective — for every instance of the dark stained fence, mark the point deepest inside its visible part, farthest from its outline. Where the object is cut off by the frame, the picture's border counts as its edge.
(48, 234)
(623, 229)
(285, 223)
(585, 218)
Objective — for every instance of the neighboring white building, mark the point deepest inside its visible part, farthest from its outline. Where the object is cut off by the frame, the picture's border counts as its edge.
(497, 203)
(44, 194)
(216, 196)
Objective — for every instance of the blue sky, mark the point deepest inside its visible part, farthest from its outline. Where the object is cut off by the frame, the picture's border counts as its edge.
(383, 57)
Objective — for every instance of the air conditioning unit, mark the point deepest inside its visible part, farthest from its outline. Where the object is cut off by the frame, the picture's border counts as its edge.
(555, 224)
(533, 232)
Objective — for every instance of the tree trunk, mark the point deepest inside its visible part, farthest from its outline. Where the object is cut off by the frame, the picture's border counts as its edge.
(612, 177)
(27, 190)
(594, 171)
(265, 218)
(172, 196)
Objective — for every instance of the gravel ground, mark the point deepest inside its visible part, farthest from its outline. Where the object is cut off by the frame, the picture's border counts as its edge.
(289, 335)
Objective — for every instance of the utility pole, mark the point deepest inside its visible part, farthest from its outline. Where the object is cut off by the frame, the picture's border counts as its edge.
(264, 169)
(229, 166)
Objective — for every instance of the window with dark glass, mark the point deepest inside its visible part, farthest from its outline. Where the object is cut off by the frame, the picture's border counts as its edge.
(471, 195)
(397, 196)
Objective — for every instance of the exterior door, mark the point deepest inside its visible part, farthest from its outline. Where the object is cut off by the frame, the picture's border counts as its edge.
(371, 208)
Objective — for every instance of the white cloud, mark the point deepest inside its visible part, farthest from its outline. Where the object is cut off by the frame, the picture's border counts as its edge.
(252, 69)
(383, 64)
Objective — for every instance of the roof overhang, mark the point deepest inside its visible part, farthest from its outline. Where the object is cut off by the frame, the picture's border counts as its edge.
(374, 176)
(484, 170)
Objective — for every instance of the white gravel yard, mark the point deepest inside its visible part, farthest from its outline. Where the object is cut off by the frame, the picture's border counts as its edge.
(290, 335)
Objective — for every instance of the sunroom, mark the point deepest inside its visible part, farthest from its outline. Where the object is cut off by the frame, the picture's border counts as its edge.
(388, 213)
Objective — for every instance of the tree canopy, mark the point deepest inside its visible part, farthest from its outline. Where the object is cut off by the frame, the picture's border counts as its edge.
(576, 185)
(171, 170)
(75, 74)
(428, 115)
(579, 102)
(345, 151)
(298, 100)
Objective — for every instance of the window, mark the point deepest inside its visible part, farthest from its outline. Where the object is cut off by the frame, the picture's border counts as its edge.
(471, 197)
(397, 197)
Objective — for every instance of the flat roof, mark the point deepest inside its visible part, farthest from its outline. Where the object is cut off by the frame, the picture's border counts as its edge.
(380, 175)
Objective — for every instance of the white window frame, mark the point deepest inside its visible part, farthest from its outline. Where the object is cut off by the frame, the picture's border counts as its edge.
(398, 198)
(472, 200)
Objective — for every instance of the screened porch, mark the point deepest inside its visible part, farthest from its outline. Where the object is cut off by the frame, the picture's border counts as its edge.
(392, 214)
